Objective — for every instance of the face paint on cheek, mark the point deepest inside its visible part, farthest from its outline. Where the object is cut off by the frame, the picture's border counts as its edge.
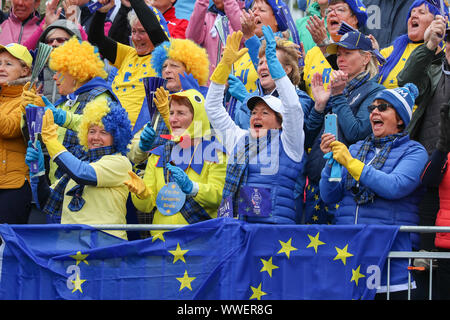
(60, 78)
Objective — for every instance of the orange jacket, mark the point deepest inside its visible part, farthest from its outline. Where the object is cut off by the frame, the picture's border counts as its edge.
(13, 170)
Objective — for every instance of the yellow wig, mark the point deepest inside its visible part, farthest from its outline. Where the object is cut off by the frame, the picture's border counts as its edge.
(79, 59)
(93, 114)
(194, 58)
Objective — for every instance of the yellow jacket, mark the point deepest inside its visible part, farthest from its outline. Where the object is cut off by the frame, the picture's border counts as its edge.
(13, 170)
(206, 170)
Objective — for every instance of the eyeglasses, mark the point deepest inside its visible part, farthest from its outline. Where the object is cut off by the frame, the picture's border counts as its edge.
(58, 39)
(338, 10)
(381, 107)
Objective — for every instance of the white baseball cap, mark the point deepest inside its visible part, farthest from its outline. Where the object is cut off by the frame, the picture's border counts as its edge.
(273, 102)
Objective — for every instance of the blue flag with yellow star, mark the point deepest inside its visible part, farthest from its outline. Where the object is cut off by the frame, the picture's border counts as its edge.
(217, 259)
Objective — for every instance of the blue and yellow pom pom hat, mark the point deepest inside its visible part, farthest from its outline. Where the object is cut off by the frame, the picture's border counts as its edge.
(161, 20)
(359, 10)
(277, 6)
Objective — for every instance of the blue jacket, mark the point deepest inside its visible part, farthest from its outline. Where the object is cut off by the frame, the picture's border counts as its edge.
(280, 179)
(396, 185)
(353, 123)
(398, 191)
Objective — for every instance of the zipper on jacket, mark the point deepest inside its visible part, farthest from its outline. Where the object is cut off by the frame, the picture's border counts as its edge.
(20, 34)
(356, 214)
(23, 26)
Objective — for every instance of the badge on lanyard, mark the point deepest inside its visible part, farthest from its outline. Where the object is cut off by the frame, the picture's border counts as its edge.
(170, 199)
(226, 208)
(255, 202)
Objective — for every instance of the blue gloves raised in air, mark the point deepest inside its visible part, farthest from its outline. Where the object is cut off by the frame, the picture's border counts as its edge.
(181, 178)
(275, 68)
(188, 81)
(147, 138)
(237, 88)
(59, 115)
(33, 156)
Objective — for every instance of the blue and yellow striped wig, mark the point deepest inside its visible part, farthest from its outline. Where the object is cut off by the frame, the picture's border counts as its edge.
(194, 58)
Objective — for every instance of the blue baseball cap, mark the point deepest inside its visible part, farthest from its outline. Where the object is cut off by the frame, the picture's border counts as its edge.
(355, 40)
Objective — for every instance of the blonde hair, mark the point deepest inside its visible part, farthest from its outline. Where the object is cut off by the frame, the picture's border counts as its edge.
(79, 59)
(372, 66)
(289, 57)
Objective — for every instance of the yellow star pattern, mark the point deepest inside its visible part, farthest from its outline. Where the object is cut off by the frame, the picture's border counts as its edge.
(77, 284)
(257, 292)
(159, 236)
(343, 254)
(286, 247)
(268, 266)
(80, 257)
(186, 281)
(356, 275)
(314, 242)
(178, 254)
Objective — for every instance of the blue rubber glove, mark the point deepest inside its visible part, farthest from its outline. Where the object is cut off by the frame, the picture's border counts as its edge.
(181, 178)
(188, 81)
(336, 167)
(33, 156)
(275, 68)
(59, 115)
(237, 88)
(147, 138)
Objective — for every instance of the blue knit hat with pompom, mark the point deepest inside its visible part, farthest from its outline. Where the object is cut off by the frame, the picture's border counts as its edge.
(402, 99)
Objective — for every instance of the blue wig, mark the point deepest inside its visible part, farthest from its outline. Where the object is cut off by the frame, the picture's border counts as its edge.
(159, 56)
(117, 123)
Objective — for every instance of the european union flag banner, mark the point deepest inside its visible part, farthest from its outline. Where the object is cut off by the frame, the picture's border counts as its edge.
(217, 259)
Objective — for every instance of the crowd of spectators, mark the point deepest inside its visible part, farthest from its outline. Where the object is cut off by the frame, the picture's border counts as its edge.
(237, 126)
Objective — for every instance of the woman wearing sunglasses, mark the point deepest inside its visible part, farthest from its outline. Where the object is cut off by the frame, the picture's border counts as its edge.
(380, 177)
(351, 89)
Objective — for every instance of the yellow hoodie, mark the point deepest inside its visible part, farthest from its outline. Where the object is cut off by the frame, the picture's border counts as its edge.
(204, 163)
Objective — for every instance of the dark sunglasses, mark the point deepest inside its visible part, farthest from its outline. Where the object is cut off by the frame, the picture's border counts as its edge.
(58, 39)
(381, 107)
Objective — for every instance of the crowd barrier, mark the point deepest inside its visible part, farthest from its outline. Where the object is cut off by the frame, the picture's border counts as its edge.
(427, 255)
(430, 256)
(282, 259)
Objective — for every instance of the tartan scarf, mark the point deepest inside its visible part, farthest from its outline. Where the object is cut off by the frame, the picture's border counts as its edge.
(192, 212)
(70, 141)
(364, 194)
(55, 201)
(237, 167)
(356, 82)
